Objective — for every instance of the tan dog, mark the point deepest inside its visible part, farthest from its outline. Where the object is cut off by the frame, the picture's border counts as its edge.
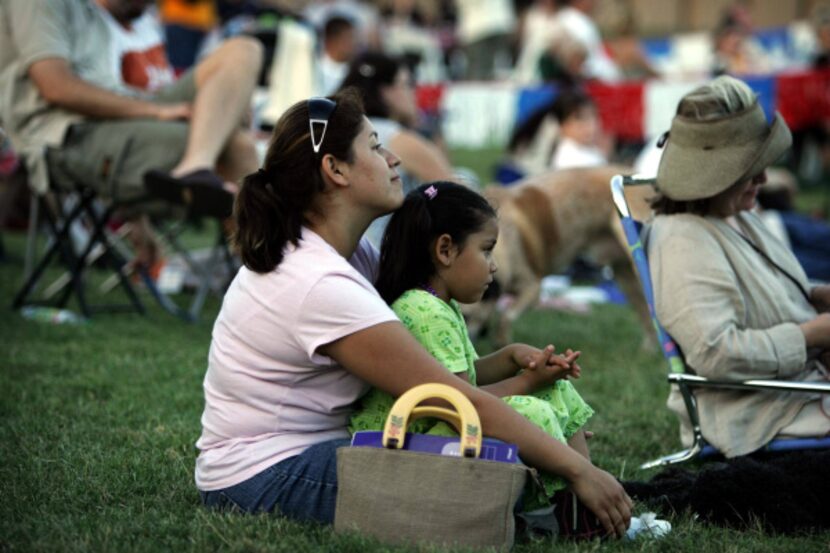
(544, 223)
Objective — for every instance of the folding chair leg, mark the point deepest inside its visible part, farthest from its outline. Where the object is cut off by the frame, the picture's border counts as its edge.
(60, 233)
(31, 236)
(203, 271)
(99, 236)
(163, 300)
(674, 458)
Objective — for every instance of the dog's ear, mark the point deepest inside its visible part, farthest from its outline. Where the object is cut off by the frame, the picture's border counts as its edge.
(445, 250)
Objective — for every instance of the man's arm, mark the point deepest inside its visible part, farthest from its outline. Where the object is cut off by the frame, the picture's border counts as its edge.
(56, 82)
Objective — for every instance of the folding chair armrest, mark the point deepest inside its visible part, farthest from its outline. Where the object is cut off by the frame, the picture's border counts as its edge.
(694, 381)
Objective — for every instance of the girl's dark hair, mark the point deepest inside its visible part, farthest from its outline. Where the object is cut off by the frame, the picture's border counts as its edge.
(269, 209)
(405, 253)
(566, 103)
(368, 73)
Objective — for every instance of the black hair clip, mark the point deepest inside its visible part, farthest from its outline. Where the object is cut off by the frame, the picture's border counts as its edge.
(663, 139)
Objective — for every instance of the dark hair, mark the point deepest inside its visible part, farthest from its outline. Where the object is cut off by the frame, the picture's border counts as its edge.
(270, 207)
(368, 73)
(335, 26)
(405, 253)
(569, 102)
(663, 205)
(566, 103)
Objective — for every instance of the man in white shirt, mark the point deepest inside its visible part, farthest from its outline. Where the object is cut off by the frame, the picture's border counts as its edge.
(338, 50)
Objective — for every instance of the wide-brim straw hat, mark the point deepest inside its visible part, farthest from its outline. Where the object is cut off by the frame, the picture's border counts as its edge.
(705, 157)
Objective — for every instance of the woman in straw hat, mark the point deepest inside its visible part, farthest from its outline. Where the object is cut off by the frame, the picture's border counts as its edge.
(733, 297)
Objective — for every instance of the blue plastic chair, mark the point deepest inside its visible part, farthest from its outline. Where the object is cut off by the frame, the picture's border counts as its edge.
(678, 376)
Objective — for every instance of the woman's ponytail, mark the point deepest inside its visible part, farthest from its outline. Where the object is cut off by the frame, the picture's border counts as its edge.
(263, 223)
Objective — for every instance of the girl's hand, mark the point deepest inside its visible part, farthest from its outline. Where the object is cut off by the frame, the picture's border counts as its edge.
(544, 367)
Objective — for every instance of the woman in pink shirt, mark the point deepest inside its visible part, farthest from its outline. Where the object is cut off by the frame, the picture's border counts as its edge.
(302, 333)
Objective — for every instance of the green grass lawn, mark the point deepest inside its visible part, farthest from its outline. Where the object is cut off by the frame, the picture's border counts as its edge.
(98, 422)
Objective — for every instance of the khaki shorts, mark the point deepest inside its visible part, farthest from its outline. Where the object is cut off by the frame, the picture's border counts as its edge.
(112, 156)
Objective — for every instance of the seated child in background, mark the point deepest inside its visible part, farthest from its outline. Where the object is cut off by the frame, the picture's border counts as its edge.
(563, 134)
(579, 141)
(436, 252)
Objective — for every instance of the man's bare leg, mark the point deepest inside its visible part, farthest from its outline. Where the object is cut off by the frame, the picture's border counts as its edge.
(239, 157)
(225, 81)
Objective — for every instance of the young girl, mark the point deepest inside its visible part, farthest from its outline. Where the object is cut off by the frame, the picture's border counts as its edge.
(436, 254)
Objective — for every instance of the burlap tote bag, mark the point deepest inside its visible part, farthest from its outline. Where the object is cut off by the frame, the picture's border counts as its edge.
(403, 496)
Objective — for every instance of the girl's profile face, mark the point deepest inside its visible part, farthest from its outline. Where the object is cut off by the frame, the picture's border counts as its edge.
(472, 268)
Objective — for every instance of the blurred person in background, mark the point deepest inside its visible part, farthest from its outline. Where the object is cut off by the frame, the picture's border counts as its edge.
(387, 88)
(563, 63)
(137, 41)
(563, 134)
(362, 14)
(821, 26)
(186, 24)
(339, 48)
(627, 50)
(576, 16)
(484, 30)
(60, 91)
(580, 142)
(539, 31)
(736, 51)
(410, 29)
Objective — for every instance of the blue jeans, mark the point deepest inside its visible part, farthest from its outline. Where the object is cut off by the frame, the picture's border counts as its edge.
(302, 487)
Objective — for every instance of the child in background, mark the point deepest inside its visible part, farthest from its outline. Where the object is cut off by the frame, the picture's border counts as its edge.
(580, 143)
(564, 133)
(436, 253)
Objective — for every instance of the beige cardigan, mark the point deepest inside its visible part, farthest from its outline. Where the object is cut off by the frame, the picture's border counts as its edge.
(734, 316)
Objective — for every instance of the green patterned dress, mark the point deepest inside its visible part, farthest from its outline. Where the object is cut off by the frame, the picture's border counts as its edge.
(439, 327)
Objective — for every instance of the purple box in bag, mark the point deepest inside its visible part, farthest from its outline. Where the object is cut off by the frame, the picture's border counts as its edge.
(491, 450)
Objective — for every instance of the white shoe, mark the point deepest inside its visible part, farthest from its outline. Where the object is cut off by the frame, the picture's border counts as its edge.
(648, 525)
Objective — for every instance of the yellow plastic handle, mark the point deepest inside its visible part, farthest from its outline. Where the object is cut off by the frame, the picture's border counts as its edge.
(430, 411)
(465, 418)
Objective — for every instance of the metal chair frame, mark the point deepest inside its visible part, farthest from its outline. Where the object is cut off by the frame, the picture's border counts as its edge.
(219, 254)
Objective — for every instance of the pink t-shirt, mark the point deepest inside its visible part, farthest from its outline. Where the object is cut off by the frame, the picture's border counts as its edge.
(268, 394)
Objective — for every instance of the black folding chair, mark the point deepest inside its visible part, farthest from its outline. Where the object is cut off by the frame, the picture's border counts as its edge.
(58, 217)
